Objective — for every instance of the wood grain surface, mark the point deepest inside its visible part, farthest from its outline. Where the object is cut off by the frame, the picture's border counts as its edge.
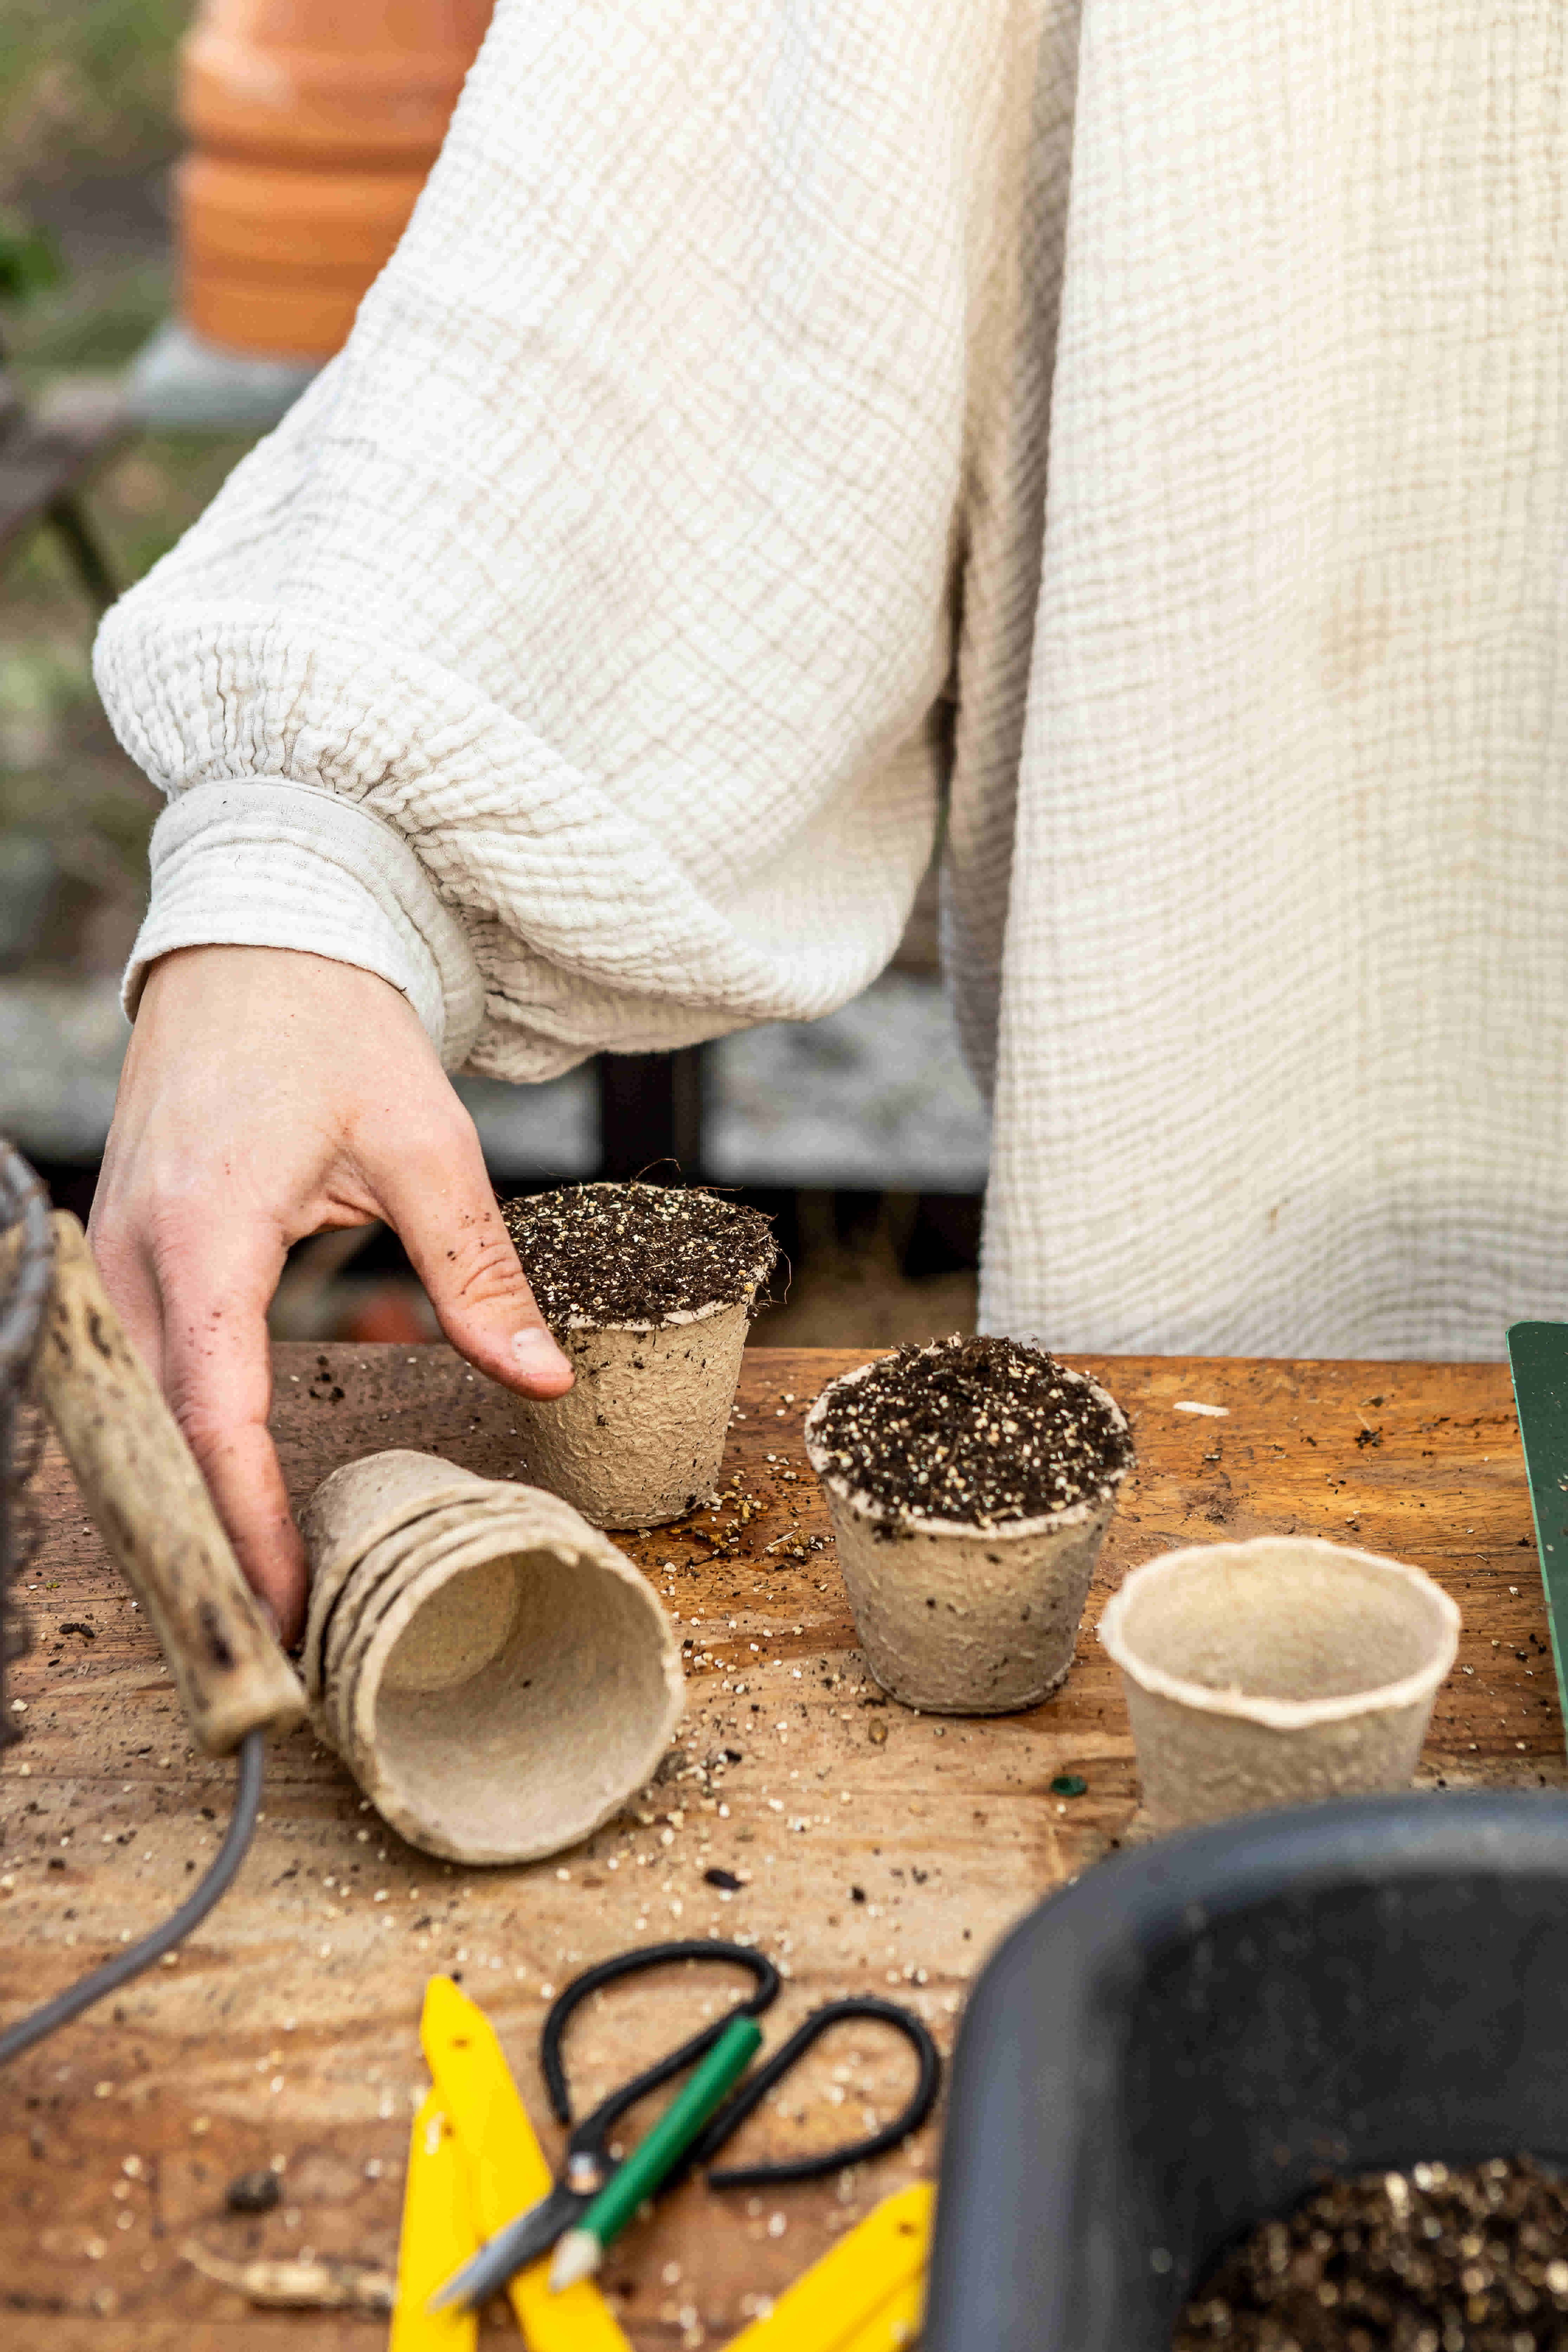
(876, 1848)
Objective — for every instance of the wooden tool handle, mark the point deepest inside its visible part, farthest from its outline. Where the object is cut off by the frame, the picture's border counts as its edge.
(140, 1483)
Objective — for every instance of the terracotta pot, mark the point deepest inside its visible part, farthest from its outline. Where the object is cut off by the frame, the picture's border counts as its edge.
(1280, 1672)
(497, 1677)
(313, 127)
(954, 1619)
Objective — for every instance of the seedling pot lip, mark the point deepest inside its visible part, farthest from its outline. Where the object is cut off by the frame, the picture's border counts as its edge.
(678, 1318)
(481, 1520)
(400, 1801)
(1075, 1515)
(1281, 1714)
(753, 1279)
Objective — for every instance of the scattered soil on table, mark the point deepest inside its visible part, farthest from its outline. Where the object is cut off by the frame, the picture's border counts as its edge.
(976, 1430)
(1432, 2260)
(253, 2192)
(609, 1254)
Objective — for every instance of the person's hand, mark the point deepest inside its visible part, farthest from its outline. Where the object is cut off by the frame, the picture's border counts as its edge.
(267, 1095)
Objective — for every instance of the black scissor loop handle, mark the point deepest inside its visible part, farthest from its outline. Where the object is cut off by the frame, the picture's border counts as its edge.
(592, 2134)
(756, 2087)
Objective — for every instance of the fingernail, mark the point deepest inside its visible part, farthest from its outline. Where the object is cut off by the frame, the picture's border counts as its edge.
(536, 1352)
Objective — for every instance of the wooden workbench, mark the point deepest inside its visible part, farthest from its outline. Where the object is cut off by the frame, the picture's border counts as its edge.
(878, 1848)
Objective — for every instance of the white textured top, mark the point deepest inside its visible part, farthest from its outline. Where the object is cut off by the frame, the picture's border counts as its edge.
(588, 650)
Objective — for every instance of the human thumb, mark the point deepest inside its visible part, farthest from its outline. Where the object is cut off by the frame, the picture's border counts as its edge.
(450, 1224)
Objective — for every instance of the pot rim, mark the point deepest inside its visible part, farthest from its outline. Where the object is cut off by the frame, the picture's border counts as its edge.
(676, 1318)
(759, 1274)
(1282, 1714)
(362, 1693)
(1073, 1514)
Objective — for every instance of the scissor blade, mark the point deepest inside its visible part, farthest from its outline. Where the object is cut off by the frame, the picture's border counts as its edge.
(511, 2250)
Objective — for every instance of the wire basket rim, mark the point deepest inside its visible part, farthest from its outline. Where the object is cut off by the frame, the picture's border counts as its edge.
(23, 1201)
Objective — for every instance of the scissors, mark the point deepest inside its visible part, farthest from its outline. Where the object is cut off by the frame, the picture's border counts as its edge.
(589, 2163)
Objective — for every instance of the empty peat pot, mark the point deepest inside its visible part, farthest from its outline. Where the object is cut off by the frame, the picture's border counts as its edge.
(1276, 1672)
(497, 1676)
(1168, 2051)
(970, 1484)
(648, 1288)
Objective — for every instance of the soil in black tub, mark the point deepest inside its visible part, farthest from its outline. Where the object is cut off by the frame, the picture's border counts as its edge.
(1431, 2258)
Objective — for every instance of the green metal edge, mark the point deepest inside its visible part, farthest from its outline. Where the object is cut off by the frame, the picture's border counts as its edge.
(1538, 1358)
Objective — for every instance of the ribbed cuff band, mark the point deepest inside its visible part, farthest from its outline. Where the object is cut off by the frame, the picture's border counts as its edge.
(270, 864)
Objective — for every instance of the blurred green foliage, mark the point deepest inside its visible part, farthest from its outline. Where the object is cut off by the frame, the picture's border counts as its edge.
(86, 85)
(62, 776)
(141, 503)
(99, 319)
(30, 261)
(87, 124)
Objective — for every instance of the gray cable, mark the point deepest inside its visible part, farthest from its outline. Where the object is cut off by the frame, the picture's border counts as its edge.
(191, 1911)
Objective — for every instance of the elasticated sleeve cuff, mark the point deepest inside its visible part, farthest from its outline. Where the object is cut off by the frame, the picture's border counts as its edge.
(272, 864)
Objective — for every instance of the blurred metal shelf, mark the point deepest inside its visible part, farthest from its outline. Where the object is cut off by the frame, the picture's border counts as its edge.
(875, 1097)
(533, 1133)
(47, 455)
(62, 1040)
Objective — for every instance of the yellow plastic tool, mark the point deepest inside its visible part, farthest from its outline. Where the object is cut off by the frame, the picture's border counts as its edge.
(894, 2324)
(438, 2232)
(506, 2166)
(867, 2295)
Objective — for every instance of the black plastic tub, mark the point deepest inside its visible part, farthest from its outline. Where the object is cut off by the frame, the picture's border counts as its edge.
(1170, 2050)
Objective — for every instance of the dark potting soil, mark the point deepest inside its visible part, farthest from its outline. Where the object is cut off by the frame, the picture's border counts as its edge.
(1432, 2260)
(976, 1430)
(637, 1253)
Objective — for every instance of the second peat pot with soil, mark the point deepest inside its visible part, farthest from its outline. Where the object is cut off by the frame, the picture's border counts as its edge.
(648, 1288)
(970, 1484)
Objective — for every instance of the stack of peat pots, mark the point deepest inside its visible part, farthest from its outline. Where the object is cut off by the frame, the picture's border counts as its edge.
(493, 1671)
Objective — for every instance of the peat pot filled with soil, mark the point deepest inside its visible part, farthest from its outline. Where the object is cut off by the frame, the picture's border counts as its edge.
(650, 1289)
(970, 1484)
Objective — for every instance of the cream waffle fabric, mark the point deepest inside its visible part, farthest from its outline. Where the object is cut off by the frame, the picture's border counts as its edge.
(1145, 424)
